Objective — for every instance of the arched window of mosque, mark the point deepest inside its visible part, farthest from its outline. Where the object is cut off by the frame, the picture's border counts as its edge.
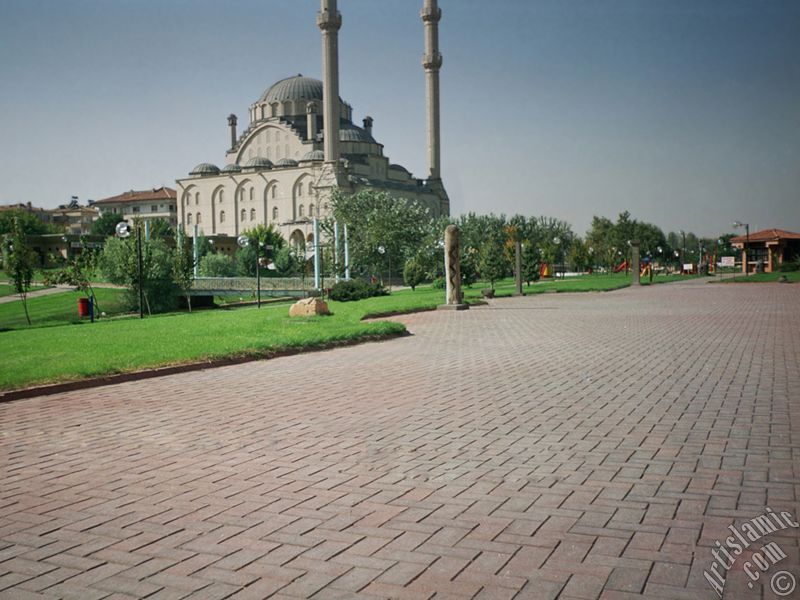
(310, 210)
(274, 213)
(301, 211)
(274, 190)
(221, 195)
(189, 218)
(286, 150)
(252, 214)
(222, 216)
(242, 215)
(266, 135)
(310, 188)
(197, 198)
(198, 219)
(274, 109)
(300, 190)
(252, 191)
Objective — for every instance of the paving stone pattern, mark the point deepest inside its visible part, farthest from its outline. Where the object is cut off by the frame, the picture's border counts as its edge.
(556, 446)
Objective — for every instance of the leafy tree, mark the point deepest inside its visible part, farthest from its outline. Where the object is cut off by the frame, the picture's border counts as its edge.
(217, 265)
(493, 262)
(413, 273)
(530, 262)
(106, 224)
(377, 219)
(79, 271)
(578, 255)
(288, 262)
(29, 223)
(260, 236)
(20, 262)
(183, 266)
(160, 228)
(118, 263)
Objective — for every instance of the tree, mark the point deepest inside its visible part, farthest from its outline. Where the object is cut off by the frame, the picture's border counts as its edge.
(217, 265)
(376, 219)
(493, 262)
(530, 262)
(20, 262)
(183, 266)
(259, 236)
(160, 228)
(106, 224)
(28, 222)
(413, 273)
(118, 263)
(78, 272)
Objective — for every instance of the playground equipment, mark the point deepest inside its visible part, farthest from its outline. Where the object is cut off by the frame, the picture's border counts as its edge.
(646, 270)
(544, 270)
(621, 266)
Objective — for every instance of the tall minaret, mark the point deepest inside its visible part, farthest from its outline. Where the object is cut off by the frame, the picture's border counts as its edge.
(431, 62)
(329, 21)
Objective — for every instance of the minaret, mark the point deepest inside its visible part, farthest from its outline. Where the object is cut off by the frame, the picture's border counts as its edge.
(311, 121)
(232, 125)
(329, 21)
(431, 62)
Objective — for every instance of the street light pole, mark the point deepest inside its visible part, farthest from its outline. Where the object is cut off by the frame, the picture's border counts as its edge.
(139, 261)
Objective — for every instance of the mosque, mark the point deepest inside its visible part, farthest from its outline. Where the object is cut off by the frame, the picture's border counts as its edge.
(301, 143)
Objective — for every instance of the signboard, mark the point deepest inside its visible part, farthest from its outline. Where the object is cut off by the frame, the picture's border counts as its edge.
(688, 267)
(727, 261)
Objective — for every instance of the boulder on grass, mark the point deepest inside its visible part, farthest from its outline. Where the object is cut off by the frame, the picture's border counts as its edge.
(308, 307)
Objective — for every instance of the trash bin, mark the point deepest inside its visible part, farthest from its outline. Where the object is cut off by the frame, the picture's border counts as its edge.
(83, 307)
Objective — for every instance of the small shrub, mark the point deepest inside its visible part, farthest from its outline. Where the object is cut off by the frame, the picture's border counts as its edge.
(356, 289)
(413, 273)
(439, 283)
(788, 267)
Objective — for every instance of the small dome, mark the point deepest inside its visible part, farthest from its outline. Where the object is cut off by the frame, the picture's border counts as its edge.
(259, 162)
(293, 88)
(314, 155)
(231, 168)
(286, 162)
(205, 169)
(398, 168)
(352, 133)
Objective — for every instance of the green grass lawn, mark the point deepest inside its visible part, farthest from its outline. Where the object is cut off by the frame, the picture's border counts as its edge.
(793, 276)
(69, 352)
(56, 309)
(6, 289)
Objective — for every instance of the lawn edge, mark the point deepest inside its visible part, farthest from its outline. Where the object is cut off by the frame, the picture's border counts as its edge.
(92, 382)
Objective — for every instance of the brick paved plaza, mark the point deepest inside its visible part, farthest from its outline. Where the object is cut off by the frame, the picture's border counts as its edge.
(557, 446)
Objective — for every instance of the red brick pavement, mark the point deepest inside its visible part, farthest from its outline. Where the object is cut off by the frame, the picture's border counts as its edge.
(576, 446)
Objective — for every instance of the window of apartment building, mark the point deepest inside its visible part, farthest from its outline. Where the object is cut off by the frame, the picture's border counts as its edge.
(154, 208)
(135, 209)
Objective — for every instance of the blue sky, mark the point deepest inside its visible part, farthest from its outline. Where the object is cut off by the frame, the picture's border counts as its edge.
(685, 112)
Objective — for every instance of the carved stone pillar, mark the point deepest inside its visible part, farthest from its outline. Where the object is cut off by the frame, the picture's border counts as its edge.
(452, 270)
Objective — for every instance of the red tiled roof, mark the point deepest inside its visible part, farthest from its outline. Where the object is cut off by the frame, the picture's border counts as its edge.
(162, 193)
(767, 235)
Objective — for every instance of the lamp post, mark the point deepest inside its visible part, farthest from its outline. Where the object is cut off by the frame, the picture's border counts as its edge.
(124, 231)
(243, 242)
(557, 244)
(382, 250)
(746, 258)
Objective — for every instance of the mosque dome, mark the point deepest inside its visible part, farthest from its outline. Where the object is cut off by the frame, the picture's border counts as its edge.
(258, 162)
(231, 168)
(286, 162)
(293, 88)
(352, 133)
(205, 169)
(314, 155)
